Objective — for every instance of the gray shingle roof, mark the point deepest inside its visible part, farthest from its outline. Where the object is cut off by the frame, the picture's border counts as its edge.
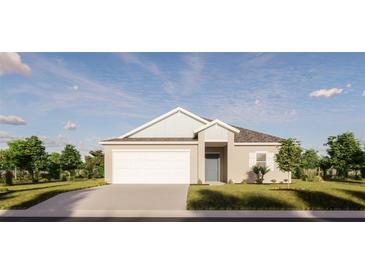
(251, 136)
(126, 139)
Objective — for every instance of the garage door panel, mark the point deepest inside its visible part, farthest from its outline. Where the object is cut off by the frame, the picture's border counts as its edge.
(151, 166)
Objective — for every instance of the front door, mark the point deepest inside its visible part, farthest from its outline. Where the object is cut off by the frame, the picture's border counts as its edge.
(212, 161)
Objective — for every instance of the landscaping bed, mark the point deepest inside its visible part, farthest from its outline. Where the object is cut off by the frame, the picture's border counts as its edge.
(301, 196)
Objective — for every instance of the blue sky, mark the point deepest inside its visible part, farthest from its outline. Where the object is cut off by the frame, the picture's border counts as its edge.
(81, 98)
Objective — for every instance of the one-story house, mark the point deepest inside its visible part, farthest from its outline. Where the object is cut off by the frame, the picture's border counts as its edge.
(180, 147)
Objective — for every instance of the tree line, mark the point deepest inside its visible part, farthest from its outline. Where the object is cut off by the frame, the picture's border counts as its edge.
(27, 160)
(345, 159)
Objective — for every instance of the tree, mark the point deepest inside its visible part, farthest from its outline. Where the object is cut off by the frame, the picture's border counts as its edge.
(70, 159)
(289, 156)
(94, 164)
(310, 159)
(260, 172)
(28, 154)
(54, 165)
(325, 164)
(6, 165)
(345, 153)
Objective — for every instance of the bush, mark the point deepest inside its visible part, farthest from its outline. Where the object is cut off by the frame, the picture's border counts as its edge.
(260, 172)
(8, 177)
(64, 176)
(230, 181)
(273, 181)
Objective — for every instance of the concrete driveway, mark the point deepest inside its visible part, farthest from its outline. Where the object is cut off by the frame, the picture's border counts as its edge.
(118, 197)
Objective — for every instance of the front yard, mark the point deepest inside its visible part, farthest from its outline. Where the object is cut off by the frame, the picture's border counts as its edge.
(26, 195)
(301, 196)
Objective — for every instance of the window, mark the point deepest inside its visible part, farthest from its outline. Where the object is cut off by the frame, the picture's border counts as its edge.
(261, 159)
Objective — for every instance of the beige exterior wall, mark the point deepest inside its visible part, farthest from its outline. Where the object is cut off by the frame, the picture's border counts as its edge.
(239, 164)
(193, 157)
(176, 125)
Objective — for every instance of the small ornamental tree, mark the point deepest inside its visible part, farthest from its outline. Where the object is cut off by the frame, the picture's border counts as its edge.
(70, 159)
(289, 156)
(260, 172)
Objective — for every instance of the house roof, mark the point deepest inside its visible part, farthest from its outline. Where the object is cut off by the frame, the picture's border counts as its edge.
(241, 135)
(250, 136)
(144, 139)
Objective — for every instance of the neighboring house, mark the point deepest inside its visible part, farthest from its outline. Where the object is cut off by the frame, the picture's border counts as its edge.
(180, 147)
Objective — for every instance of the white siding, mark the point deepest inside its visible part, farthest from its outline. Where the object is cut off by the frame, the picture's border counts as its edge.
(176, 125)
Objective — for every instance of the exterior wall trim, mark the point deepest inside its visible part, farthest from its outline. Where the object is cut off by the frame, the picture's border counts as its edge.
(148, 143)
(257, 144)
(161, 149)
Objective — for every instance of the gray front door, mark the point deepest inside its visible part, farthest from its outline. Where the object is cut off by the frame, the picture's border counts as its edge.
(212, 167)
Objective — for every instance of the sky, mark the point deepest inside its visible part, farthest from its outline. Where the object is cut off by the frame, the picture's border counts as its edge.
(82, 98)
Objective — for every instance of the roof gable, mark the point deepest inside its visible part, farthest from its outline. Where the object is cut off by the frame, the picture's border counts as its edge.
(177, 130)
(176, 123)
(217, 122)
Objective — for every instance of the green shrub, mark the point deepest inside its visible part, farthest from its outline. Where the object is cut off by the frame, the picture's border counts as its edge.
(64, 176)
(260, 172)
(230, 181)
(273, 181)
(8, 177)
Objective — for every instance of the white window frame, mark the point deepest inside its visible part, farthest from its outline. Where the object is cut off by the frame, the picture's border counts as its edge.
(261, 152)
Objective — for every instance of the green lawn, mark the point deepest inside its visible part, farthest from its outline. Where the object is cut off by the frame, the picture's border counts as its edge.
(301, 196)
(26, 195)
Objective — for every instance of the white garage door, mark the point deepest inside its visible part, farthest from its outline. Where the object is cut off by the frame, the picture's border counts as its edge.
(151, 166)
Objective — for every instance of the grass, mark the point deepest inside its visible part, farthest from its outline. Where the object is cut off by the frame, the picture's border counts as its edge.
(23, 196)
(302, 196)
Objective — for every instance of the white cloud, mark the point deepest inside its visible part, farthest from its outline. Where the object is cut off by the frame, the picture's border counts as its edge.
(55, 97)
(131, 58)
(58, 141)
(6, 137)
(75, 87)
(363, 93)
(349, 85)
(169, 87)
(11, 62)
(11, 120)
(70, 125)
(327, 93)
(192, 74)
